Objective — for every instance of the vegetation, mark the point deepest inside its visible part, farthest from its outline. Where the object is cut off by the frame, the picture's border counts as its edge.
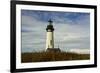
(52, 56)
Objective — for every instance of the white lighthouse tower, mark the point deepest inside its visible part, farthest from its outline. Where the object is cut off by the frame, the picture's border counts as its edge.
(50, 35)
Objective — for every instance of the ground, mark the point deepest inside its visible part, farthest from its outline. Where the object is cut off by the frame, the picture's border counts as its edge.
(52, 56)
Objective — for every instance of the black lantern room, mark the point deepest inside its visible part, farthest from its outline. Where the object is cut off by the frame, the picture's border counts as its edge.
(50, 26)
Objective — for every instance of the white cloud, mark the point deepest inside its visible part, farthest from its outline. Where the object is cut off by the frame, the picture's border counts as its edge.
(80, 51)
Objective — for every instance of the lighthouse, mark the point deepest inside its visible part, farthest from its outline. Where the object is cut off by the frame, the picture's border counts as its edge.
(50, 35)
(50, 38)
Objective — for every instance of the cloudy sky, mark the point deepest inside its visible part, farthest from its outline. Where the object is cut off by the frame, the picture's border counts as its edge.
(72, 30)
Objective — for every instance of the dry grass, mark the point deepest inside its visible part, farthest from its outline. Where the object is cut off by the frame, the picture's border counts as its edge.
(52, 56)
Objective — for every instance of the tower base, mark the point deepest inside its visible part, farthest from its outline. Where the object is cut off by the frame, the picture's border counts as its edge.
(53, 50)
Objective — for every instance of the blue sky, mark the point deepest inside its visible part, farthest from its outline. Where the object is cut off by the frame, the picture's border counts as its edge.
(72, 30)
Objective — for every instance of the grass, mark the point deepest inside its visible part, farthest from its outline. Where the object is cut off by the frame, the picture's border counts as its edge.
(52, 56)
